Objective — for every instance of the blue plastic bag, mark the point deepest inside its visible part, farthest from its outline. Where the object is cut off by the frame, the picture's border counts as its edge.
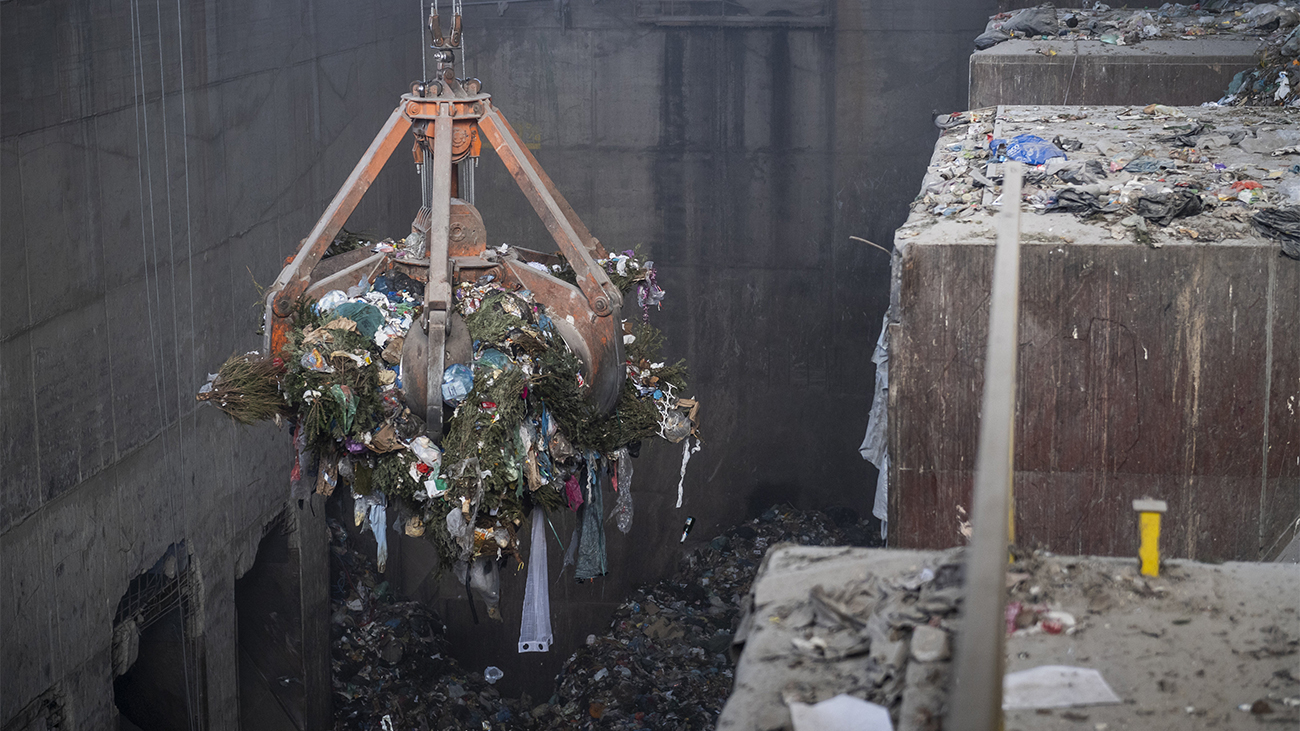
(1029, 149)
(457, 382)
(494, 359)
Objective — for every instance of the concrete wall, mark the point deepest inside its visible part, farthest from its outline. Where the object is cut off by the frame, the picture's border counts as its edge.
(1174, 72)
(154, 162)
(151, 168)
(1148, 379)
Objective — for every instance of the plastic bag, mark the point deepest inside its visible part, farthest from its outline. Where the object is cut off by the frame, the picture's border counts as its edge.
(676, 426)
(1039, 21)
(1164, 208)
(379, 525)
(367, 317)
(990, 38)
(1029, 149)
(460, 530)
(1282, 224)
(372, 511)
(492, 358)
(535, 619)
(1269, 17)
(572, 493)
(592, 559)
(330, 300)
(314, 361)
(347, 401)
(457, 382)
(484, 582)
(426, 451)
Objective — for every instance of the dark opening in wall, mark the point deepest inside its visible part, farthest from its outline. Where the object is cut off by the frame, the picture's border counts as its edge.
(269, 614)
(157, 655)
(44, 713)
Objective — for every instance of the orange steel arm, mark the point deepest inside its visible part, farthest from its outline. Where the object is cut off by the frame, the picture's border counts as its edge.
(573, 238)
(295, 278)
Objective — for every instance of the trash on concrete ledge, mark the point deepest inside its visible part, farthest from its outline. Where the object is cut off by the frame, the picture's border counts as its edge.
(1055, 686)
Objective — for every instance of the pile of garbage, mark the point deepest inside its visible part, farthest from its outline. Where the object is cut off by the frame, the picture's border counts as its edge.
(1100, 23)
(1276, 81)
(522, 439)
(1153, 175)
(898, 627)
(665, 662)
(390, 665)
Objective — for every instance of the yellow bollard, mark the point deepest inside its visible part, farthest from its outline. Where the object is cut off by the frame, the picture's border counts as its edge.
(1149, 534)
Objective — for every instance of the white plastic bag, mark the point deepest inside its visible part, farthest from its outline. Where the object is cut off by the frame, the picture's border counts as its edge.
(535, 619)
(484, 583)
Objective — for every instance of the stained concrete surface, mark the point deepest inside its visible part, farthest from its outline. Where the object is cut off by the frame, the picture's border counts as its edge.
(1183, 651)
(154, 162)
(1172, 72)
(158, 163)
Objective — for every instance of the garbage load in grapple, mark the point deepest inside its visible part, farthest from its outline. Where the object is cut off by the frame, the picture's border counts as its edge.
(453, 387)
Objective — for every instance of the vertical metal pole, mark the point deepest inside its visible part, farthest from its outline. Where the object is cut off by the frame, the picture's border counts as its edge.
(437, 293)
(976, 700)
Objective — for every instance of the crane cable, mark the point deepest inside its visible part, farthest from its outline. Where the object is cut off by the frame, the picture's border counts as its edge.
(153, 295)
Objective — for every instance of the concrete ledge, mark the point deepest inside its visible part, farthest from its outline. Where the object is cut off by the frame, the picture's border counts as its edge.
(1174, 72)
(1184, 650)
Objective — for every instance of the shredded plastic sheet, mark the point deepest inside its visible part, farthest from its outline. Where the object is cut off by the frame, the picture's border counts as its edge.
(874, 448)
(535, 620)
(623, 503)
(687, 451)
(571, 553)
(379, 525)
(591, 543)
(1282, 224)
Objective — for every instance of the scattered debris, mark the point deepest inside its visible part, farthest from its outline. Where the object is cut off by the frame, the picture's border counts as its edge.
(390, 658)
(872, 623)
(1275, 81)
(1154, 175)
(1122, 26)
(664, 663)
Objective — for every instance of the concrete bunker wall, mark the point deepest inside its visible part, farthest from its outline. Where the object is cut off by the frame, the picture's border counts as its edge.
(155, 164)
